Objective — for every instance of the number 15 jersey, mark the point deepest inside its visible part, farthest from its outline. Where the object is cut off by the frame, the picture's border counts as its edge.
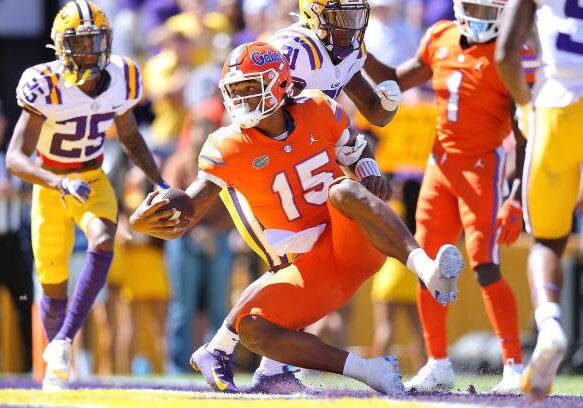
(75, 125)
(284, 181)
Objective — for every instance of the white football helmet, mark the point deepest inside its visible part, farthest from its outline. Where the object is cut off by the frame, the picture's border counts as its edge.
(479, 20)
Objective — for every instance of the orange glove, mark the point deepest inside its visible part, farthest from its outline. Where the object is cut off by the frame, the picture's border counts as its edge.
(509, 218)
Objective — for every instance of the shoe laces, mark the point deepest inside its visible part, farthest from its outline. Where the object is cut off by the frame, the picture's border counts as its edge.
(223, 364)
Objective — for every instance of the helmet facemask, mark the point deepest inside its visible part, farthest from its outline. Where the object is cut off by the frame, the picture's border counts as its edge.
(479, 20)
(239, 107)
(347, 23)
(75, 46)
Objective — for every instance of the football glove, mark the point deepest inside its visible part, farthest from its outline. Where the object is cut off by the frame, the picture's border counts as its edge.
(78, 189)
(390, 95)
(509, 219)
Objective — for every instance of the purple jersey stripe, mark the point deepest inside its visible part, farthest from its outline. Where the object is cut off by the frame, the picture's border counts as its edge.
(58, 91)
(245, 221)
(306, 37)
(126, 74)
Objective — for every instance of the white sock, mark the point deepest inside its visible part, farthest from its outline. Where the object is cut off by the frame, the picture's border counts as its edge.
(356, 367)
(419, 262)
(270, 367)
(225, 339)
(547, 310)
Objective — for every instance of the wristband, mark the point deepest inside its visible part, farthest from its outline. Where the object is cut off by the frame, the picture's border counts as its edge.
(367, 167)
(162, 185)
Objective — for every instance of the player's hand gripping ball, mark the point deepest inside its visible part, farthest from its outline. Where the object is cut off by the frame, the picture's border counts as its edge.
(163, 213)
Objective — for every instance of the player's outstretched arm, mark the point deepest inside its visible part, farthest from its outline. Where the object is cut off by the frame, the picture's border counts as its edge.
(22, 146)
(135, 147)
(514, 30)
(151, 219)
(378, 108)
(409, 74)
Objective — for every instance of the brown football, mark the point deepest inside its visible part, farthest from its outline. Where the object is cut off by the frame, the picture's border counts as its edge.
(179, 200)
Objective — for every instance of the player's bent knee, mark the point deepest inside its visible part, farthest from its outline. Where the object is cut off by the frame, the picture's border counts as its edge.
(256, 333)
(344, 193)
(487, 274)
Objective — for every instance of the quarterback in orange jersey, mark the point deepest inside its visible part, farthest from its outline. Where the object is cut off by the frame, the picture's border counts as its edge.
(284, 154)
(462, 188)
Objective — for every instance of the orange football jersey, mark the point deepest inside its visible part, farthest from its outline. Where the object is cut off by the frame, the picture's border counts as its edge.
(472, 102)
(284, 181)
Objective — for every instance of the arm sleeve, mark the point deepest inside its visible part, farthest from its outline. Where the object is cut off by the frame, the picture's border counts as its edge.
(35, 92)
(134, 87)
(212, 165)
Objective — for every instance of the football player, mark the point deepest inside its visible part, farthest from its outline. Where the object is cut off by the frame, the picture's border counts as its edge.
(554, 156)
(325, 50)
(67, 106)
(294, 185)
(462, 188)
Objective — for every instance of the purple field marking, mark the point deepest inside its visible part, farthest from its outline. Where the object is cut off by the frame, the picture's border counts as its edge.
(322, 393)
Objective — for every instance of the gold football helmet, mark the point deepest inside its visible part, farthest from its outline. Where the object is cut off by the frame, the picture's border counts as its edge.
(82, 40)
(340, 24)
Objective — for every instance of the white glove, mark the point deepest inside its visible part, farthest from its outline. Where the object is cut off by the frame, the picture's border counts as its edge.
(390, 95)
(78, 189)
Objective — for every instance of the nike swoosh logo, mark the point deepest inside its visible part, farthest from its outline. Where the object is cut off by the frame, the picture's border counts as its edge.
(60, 373)
(220, 385)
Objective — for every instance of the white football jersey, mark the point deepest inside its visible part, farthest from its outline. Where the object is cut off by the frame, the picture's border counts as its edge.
(560, 29)
(310, 63)
(75, 125)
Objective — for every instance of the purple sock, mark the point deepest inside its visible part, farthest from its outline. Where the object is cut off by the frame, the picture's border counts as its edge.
(91, 279)
(52, 314)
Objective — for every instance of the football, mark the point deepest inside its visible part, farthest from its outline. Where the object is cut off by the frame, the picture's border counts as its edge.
(179, 200)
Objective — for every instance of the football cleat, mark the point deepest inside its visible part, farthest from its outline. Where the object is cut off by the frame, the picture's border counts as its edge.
(436, 375)
(386, 377)
(57, 355)
(442, 280)
(217, 368)
(282, 383)
(551, 344)
(511, 376)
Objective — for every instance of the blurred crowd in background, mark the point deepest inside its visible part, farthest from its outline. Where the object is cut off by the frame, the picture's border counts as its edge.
(164, 299)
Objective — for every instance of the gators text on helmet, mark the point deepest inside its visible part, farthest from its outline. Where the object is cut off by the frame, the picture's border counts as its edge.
(262, 66)
(82, 40)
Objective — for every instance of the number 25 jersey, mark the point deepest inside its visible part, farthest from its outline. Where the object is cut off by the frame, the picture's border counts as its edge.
(75, 123)
(284, 181)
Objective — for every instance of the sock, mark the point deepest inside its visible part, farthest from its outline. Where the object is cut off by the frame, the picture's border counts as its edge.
(547, 310)
(225, 339)
(52, 315)
(419, 262)
(271, 367)
(356, 367)
(434, 320)
(92, 278)
(503, 314)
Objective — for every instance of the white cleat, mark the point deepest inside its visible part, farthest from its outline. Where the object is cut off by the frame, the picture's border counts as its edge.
(442, 281)
(436, 375)
(541, 370)
(386, 377)
(57, 355)
(511, 377)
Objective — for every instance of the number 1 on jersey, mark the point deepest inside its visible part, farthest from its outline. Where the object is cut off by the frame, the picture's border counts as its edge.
(453, 86)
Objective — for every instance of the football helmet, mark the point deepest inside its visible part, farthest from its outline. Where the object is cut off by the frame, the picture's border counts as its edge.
(81, 36)
(262, 63)
(340, 24)
(479, 20)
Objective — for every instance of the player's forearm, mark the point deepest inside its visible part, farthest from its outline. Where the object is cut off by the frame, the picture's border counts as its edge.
(516, 25)
(138, 152)
(512, 74)
(378, 71)
(376, 114)
(24, 168)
